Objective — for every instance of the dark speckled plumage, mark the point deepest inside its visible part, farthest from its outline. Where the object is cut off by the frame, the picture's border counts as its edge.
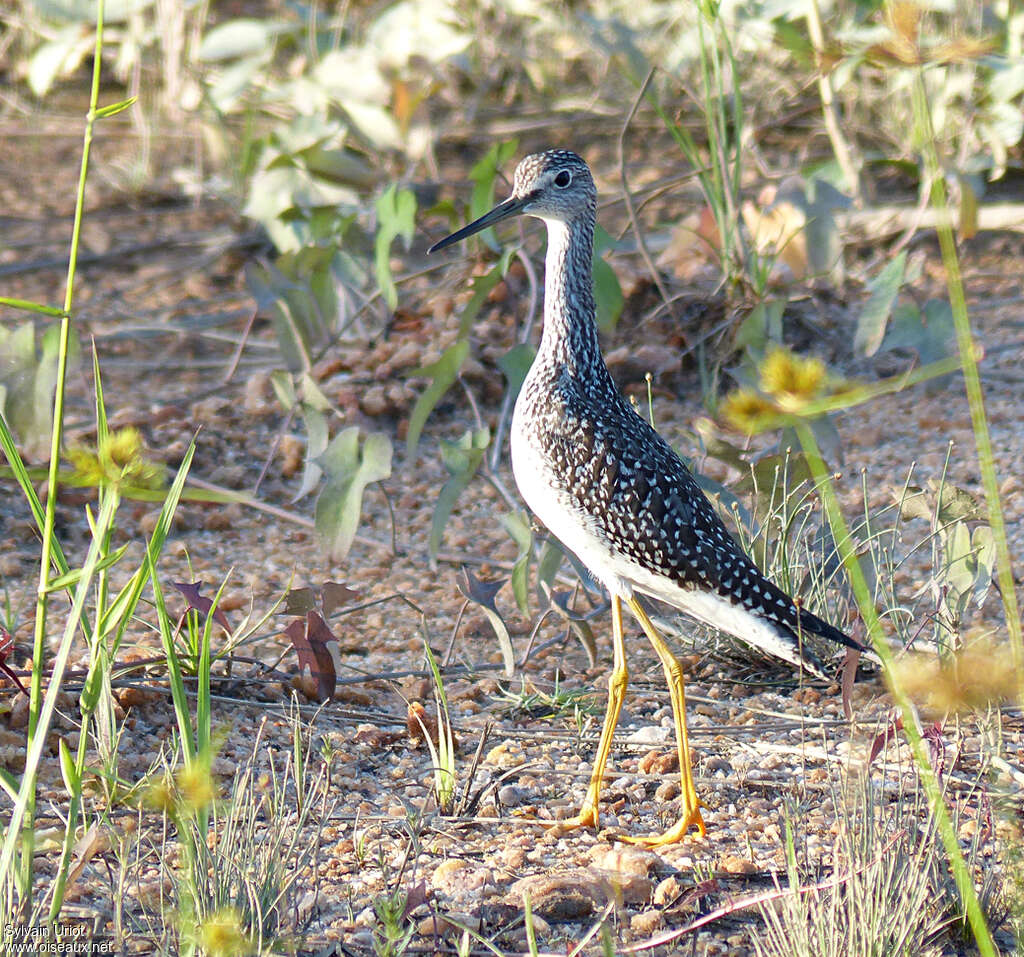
(598, 474)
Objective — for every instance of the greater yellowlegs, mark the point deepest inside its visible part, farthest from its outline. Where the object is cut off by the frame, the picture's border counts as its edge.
(612, 490)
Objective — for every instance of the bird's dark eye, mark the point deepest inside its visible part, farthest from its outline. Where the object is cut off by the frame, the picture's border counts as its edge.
(563, 179)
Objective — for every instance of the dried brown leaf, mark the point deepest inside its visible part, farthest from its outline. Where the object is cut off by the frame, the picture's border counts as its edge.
(190, 590)
(310, 639)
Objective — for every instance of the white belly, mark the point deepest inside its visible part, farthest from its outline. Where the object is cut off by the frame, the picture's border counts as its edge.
(578, 532)
(543, 493)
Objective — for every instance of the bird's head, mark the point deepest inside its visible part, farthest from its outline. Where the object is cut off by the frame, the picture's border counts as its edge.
(554, 185)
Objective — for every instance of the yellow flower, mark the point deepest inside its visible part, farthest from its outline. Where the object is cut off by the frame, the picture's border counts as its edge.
(745, 410)
(85, 467)
(196, 785)
(161, 797)
(979, 675)
(222, 935)
(119, 460)
(790, 379)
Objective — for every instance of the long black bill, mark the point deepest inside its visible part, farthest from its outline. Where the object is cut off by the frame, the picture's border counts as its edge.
(511, 207)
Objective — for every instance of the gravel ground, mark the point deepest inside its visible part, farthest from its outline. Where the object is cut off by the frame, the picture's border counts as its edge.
(763, 748)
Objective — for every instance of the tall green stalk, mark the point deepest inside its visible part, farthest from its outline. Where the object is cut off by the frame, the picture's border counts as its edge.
(25, 871)
(866, 605)
(972, 382)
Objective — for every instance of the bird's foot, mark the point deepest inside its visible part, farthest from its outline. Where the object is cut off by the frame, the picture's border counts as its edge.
(586, 818)
(691, 818)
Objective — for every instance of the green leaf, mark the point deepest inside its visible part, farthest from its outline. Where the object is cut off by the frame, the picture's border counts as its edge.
(442, 374)
(231, 83)
(885, 287)
(61, 55)
(482, 286)
(70, 578)
(396, 216)
(92, 687)
(68, 771)
(928, 332)
(551, 556)
(284, 389)
(968, 563)
(30, 306)
(484, 174)
(462, 459)
(954, 504)
(312, 394)
(515, 364)
(28, 377)
(9, 783)
(348, 473)
(340, 166)
(114, 108)
(316, 445)
(518, 527)
(762, 325)
(607, 291)
(237, 38)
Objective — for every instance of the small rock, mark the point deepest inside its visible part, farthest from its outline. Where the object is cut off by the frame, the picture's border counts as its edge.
(630, 888)
(667, 891)
(18, 717)
(374, 401)
(258, 394)
(504, 755)
(667, 791)
(511, 796)
(648, 735)
(658, 762)
(731, 864)
(374, 738)
(621, 860)
(222, 519)
(406, 356)
(646, 922)
(10, 565)
(447, 925)
(135, 696)
(562, 896)
(541, 930)
(292, 451)
(446, 871)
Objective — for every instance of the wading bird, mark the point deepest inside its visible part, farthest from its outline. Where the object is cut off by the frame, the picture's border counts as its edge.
(611, 489)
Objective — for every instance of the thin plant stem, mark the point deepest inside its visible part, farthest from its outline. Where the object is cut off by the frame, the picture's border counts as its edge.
(49, 513)
(933, 790)
(972, 382)
(26, 793)
(844, 156)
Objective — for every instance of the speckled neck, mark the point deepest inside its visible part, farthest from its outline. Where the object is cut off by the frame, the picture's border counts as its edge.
(570, 332)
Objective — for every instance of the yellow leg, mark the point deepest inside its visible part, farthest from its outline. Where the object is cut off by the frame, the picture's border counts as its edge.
(691, 804)
(616, 692)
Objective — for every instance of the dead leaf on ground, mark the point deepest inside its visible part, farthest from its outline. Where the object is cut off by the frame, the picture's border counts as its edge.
(310, 639)
(190, 590)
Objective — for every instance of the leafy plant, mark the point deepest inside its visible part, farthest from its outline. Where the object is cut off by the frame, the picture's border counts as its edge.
(240, 856)
(963, 556)
(393, 932)
(28, 377)
(396, 211)
(719, 165)
(442, 750)
(462, 459)
(348, 470)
